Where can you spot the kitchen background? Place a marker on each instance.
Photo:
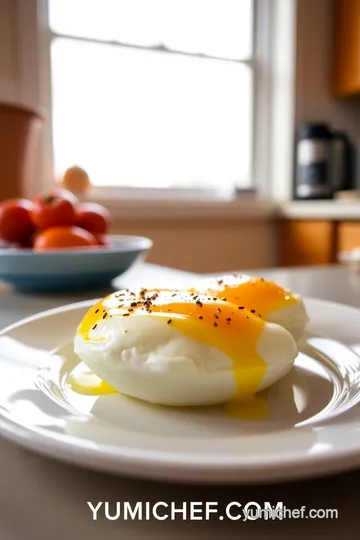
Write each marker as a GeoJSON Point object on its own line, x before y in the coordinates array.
{"type": "Point", "coordinates": [216, 236]}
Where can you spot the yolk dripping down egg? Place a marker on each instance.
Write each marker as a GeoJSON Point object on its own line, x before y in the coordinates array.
{"type": "Point", "coordinates": [182, 349]}
{"type": "Point", "coordinates": [264, 298]}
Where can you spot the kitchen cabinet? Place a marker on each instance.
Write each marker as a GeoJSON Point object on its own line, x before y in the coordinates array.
{"type": "Point", "coordinates": [307, 242]}
{"type": "Point", "coordinates": [348, 236]}
{"type": "Point", "coordinates": [304, 242]}
{"type": "Point", "coordinates": [346, 52]}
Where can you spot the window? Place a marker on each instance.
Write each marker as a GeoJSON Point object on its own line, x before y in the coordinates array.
{"type": "Point", "coordinates": [154, 93]}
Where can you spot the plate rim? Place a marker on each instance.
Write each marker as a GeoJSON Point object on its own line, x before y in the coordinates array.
{"type": "Point", "coordinates": [176, 466]}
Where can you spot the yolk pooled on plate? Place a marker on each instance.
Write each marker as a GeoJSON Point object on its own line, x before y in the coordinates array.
{"type": "Point", "coordinates": [83, 381]}
{"type": "Point", "coordinates": [257, 294]}
{"type": "Point", "coordinates": [254, 408]}
{"type": "Point", "coordinates": [210, 320]}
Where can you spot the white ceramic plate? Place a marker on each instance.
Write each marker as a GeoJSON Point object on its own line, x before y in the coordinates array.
{"type": "Point", "coordinates": [313, 426]}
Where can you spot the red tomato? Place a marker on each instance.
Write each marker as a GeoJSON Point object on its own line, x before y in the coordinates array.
{"type": "Point", "coordinates": [63, 238]}
{"type": "Point", "coordinates": [65, 194]}
{"type": "Point", "coordinates": [26, 244]}
{"type": "Point", "coordinates": [101, 239]}
{"type": "Point", "coordinates": [92, 217]}
{"type": "Point", "coordinates": [15, 223]}
{"type": "Point", "coordinates": [53, 210]}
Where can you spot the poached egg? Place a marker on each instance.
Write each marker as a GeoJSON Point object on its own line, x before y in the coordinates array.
{"type": "Point", "coordinates": [263, 298]}
{"type": "Point", "coordinates": [182, 348]}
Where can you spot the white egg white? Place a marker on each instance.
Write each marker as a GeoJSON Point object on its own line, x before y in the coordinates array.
{"type": "Point", "coordinates": [292, 317]}
{"type": "Point", "coordinates": [145, 358]}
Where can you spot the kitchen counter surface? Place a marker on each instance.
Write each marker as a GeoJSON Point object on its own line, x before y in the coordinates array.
{"type": "Point", "coordinates": [321, 210]}
{"type": "Point", "coordinates": [41, 499]}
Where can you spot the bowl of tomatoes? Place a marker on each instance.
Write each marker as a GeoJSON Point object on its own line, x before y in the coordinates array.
{"type": "Point", "coordinates": [56, 243]}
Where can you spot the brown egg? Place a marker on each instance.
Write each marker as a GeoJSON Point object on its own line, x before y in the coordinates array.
{"type": "Point", "coordinates": [76, 179]}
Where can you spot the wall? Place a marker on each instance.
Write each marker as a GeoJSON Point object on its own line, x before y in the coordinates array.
{"type": "Point", "coordinates": [314, 54]}
{"type": "Point", "coordinates": [206, 245]}
{"type": "Point", "coordinates": [9, 88]}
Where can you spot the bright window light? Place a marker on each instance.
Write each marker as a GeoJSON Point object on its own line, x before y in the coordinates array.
{"type": "Point", "coordinates": [134, 116]}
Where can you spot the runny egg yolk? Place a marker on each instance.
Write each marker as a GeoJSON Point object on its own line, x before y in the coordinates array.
{"type": "Point", "coordinates": [256, 294]}
{"type": "Point", "coordinates": [212, 321]}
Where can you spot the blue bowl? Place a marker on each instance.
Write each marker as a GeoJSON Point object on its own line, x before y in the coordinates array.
{"type": "Point", "coordinates": [70, 269]}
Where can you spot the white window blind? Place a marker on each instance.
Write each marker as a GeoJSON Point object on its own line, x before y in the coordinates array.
{"type": "Point", "coordinates": [153, 93]}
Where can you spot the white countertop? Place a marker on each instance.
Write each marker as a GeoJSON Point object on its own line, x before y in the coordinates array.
{"type": "Point", "coordinates": [332, 209]}
{"type": "Point", "coordinates": [41, 499]}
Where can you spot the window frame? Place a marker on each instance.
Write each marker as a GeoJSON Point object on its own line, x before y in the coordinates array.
{"type": "Point", "coordinates": [269, 56]}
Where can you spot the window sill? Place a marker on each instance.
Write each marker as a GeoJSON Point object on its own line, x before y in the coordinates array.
{"type": "Point", "coordinates": [241, 208]}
